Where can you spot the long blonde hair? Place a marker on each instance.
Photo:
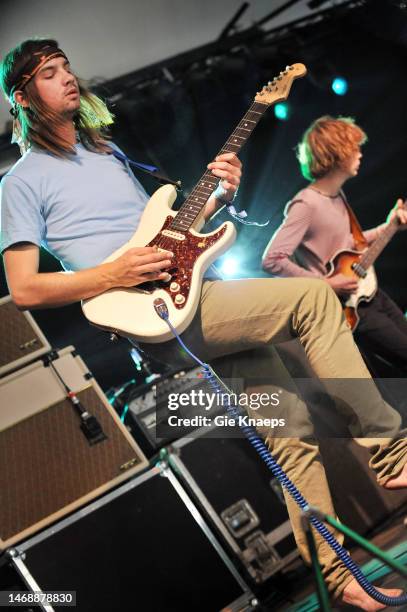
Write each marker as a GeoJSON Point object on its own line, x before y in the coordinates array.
{"type": "Point", "coordinates": [39, 124]}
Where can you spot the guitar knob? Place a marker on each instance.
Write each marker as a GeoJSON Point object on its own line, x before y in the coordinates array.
{"type": "Point", "coordinates": [179, 299]}
{"type": "Point", "coordinates": [174, 287]}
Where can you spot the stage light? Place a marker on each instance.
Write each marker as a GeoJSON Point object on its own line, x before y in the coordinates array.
{"type": "Point", "coordinates": [229, 266]}
{"type": "Point", "coordinates": [281, 111]}
{"type": "Point", "coordinates": [339, 86]}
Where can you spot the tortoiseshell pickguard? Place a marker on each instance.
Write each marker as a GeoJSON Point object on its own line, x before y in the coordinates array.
{"type": "Point", "coordinates": [186, 252]}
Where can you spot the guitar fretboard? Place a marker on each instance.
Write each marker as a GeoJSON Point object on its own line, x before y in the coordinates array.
{"type": "Point", "coordinates": [378, 245]}
{"type": "Point", "coordinates": [198, 197]}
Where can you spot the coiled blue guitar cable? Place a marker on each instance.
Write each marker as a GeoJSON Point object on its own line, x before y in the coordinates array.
{"type": "Point", "coordinates": [262, 450]}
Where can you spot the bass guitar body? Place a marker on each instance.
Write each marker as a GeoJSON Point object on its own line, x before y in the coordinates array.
{"type": "Point", "coordinates": [348, 263]}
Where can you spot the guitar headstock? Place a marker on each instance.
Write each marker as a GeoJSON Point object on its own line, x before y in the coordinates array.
{"type": "Point", "coordinates": [278, 89]}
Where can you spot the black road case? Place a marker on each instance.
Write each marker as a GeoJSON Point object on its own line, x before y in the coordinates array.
{"type": "Point", "coordinates": [143, 547]}
{"type": "Point", "coordinates": [241, 498]}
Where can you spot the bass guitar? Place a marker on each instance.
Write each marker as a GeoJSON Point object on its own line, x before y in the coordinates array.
{"type": "Point", "coordinates": [359, 265]}
{"type": "Point", "coordinates": [131, 312]}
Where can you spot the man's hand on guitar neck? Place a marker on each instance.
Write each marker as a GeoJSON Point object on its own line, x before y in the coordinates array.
{"type": "Point", "coordinates": [342, 285]}
{"type": "Point", "coordinates": [228, 168]}
{"type": "Point", "coordinates": [400, 211]}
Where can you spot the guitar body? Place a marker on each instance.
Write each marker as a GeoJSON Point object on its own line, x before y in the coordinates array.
{"type": "Point", "coordinates": [343, 262]}
{"type": "Point", "coordinates": [130, 312]}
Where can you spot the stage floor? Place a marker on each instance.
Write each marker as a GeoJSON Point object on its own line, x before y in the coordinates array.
{"type": "Point", "coordinates": [392, 538]}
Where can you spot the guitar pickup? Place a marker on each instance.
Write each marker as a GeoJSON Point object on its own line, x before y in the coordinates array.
{"type": "Point", "coordinates": [360, 271]}
{"type": "Point", "coordinates": [173, 235]}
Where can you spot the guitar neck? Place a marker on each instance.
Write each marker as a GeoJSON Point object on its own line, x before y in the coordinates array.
{"type": "Point", "coordinates": [379, 244]}
{"type": "Point", "coordinates": [199, 195]}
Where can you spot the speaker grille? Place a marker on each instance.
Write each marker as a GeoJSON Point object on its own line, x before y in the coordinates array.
{"type": "Point", "coordinates": [17, 337]}
{"type": "Point", "coordinates": [47, 462]}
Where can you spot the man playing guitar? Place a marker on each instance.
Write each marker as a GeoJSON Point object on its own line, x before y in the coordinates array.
{"type": "Point", "coordinates": [318, 224]}
{"type": "Point", "coordinates": [70, 195]}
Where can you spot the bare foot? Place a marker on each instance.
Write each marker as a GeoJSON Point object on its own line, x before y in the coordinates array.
{"type": "Point", "coordinates": [354, 595]}
{"type": "Point", "coordinates": [398, 482]}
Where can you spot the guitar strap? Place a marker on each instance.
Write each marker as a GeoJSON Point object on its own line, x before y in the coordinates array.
{"type": "Point", "coordinates": [151, 170]}
{"type": "Point", "coordinates": [163, 180]}
{"type": "Point", "coordinates": [356, 230]}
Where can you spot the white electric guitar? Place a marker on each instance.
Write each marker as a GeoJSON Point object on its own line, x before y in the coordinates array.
{"type": "Point", "coordinates": [132, 312]}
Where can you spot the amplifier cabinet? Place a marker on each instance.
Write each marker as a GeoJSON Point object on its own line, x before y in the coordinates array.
{"type": "Point", "coordinates": [21, 340]}
{"type": "Point", "coordinates": [48, 467]}
{"type": "Point", "coordinates": [143, 546]}
{"type": "Point", "coordinates": [240, 497]}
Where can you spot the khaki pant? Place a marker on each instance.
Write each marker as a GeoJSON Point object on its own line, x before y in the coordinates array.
{"type": "Point", "coordinates": [242, 318]}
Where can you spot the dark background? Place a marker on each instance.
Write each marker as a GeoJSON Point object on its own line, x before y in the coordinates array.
{"type": "Point", "coordinates": [180, 117]}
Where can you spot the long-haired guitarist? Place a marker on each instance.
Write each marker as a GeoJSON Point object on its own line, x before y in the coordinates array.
{"type": "Point", "coordinates": [71, 196]}
{"type": "Point", "coordinates": [319, 227]}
